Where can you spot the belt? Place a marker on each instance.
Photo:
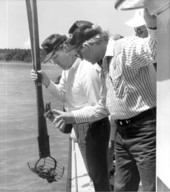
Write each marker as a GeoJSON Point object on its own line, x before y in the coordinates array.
{"type": "Point", "coordinates": [124, 122]}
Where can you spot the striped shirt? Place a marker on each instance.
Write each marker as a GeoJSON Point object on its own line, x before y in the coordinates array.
{"type": "Point", "coordinates": [130, 84]}
{"type": "Point", "coordinates": [131, 80]}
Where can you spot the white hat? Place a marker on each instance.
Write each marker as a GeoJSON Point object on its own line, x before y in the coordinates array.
{"type": "Point", "coordinates": [129, 4]}
{"type": "Point", "coordinates": [137, 20]}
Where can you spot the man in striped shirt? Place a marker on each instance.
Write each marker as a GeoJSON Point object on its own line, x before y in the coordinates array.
{"type": "Point", "coordinates": [130, 96]}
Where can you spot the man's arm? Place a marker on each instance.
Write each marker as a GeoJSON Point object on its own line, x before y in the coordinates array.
{"type": "Point", "coordinates": [96, 97]}
{"type": "Point", "coordinates": [91, 113]}
{"type": "Point", "coordinates": [58, 90]}
{"type": "Point", "coordinates": [92, 86]}
{"type": "Point", "coordinates": [138, 52]}
{"type": "Point", "coordinates": [87, 114]}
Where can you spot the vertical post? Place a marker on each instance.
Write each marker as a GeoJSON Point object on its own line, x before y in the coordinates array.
{"type": "Point", "coordinates": [161, 8]}
{"type": "Point", "coordinates": [43, 138]}
{"type": "Point", "coordinates": [75, 163]}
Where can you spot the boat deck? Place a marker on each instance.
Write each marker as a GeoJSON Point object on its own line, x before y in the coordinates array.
{"type": "Point", "coordinates": [80, 181]}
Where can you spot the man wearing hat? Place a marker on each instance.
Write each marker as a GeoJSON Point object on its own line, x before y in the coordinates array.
{"type": "Point", "coordinates": [138, 23]}
{"type": "Point", "coordinates": [79, 89]}
{"type": "Point", "coordinates": [130, 97]}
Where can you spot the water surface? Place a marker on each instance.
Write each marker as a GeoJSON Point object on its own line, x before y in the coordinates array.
{"type": "Point", "coordinates": [18, 130]}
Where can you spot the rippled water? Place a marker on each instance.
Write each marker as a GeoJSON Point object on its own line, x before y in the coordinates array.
{"type": "Point", "coordinates": [18, 131]}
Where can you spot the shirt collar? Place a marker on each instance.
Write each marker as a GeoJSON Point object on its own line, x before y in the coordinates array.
{"type": "Point", "coordinates": [109, 48]}
{"type": "Point", "coordinates": [76, 63]}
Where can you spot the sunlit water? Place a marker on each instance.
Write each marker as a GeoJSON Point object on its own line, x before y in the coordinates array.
{"type": "Point", "coordinates": [18, 131]}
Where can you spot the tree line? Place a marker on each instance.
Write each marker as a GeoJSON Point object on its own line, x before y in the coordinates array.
{"type": "Point", "coordinates": [23, 55]}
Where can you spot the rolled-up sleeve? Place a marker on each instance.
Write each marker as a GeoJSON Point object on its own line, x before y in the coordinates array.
{"type": "Point", "coordinates": [91, 113]}
{"type": "Point", "coordinates": [138, 52]}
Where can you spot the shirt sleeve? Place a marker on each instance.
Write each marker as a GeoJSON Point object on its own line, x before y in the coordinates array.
{"type": "Point", "coordinates": [58, 90]}
{"type": "Point", "coordinates": [91, 83]}
{"type": "Point", "coordinates": [91, 113]}
{"type": "Point", "coordinates": [92, 86]}
{"type": "Point", "coordinates": [139, 52]}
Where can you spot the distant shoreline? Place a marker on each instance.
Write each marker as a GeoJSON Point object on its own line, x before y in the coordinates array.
{"type": "Point", "coordinates": [23, 63]}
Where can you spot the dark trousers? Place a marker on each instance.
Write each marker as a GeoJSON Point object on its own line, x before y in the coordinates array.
{"type": "Point", "coordinates": [93, 139]}
{"type": "Point", "coordinates": [135, 152]}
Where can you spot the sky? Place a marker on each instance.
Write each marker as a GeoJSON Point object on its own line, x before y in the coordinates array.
{"type": "Point", "coordinates": [56, 16]}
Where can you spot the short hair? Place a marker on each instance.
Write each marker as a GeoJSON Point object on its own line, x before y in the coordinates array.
{"type": "Point", "coordinates": [104, 36]}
